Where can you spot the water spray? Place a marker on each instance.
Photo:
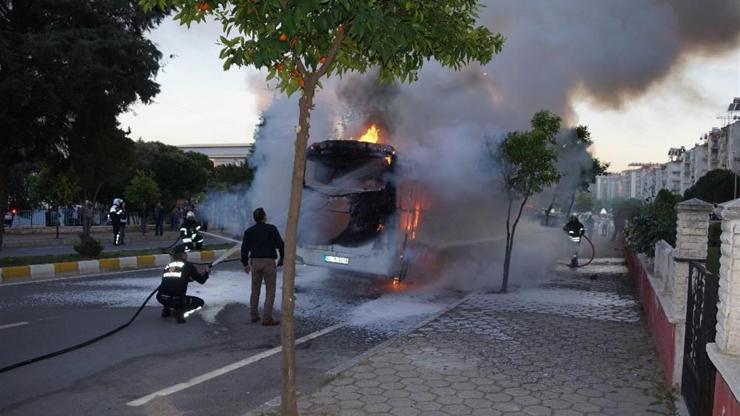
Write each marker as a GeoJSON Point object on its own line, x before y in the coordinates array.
{"type": "Point", "coordinates": [221, 259]}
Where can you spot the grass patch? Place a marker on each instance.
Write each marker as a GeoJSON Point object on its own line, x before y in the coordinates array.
{"type": "Point", "coordinates": [57, 258]}
{"type": "Point", "coordinates": [713, 253]}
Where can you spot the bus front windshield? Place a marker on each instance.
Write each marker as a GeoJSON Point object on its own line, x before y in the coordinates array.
{"type": "Point", "coordinates": [344, 176]}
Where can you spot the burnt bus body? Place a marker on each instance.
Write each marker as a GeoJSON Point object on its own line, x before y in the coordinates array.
{"type": "Point", "coordinates": [350, 206]}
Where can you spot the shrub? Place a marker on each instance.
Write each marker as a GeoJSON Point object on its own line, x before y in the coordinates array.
{"type": "Point", "coordinates": [88, 246]}
{"type": "Point", "coordinates": [655, 221]}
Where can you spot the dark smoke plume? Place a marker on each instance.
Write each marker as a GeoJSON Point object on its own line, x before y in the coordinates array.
{"type": "Point", "coordinates": [556, 52]}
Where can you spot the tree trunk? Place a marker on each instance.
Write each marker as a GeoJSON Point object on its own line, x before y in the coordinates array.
{"type": "Point", "coordinates": [507, 260]}
{"type": "Point", "coordinates": [97, 190]}
{"type": "Point", "coordinates": [507, 253]}
{"type": "Point", "coordinates": [572, 201]}
{"type": "Point", "coordinates": [549, 209]}
{"type": "Point", "coordinates": [143, 218]}
{"type": "Point", "coordinates": [289, 403]}
{"type": "Point", "coordinates": [510, 231]}
{"type": "Point", "coordinates": [58, 220]}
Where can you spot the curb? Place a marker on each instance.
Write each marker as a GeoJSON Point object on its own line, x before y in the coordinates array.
{"type": "Point", "coordinates": [273, 405]}
{"type": "Point", "coordinates": [32, 272]}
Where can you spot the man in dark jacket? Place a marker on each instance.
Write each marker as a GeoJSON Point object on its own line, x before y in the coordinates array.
{"type": "Point", "coordinates": [173, 289]}
{"type": "Point", "coordinates": [260, 246]}
{"type": "Point", "coordinates": [575, 231]}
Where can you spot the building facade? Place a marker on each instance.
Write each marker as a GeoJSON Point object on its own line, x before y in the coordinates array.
{"type": "Point", "coordinates": [222, 154]}
{"type": "Point", "coordinates": [717, 149]}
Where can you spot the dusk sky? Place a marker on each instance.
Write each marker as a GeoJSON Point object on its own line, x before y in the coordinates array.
{"type": "Point", "coordinates": [201, 103]}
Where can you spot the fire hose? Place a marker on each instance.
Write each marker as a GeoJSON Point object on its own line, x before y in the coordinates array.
{"type": "Point", "coordinates": [593, 252]}
{"type": "Point", "coordinates": [221, 259]}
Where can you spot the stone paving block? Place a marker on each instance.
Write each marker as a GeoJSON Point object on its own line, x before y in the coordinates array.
{"type": "Point", "coordinates": [567, 348]}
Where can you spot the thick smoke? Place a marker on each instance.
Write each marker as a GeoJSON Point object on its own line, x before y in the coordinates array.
{"type": "Point", "coordinates": [609, 52]}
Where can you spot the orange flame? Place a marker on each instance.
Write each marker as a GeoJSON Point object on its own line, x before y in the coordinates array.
{"type": "Point", "coordinates": [371, 135]}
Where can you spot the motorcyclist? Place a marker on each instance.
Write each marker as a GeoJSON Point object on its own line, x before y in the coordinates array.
{"type": "Point", "coordinates": [172, 292]}
{"type": "Point", "coordinates": [114, 217]}
{"type": "Point", "coordinates": [575, 231]}
{"type": "Point", "coordinates": [190, 232]}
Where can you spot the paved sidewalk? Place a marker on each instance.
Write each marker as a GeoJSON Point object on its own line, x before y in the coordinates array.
{"type": "Point", "coordinates": [572, 346]}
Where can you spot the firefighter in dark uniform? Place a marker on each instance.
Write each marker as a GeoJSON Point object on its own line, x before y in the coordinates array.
{"type": "Point", "coordinates": [114, 216]}
{"type": "Point", "coordinates": [172, 292]}
{"type": "Point", "coordinates": [190, 232]}
{"type": "Point", "coordinates": [575, 231]}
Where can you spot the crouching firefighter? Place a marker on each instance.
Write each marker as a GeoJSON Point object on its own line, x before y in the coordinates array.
{"type": "Point", "coordinates": [575, 231]}
{"type": "Point", "coordinates": [172, 292]}
{"type": "Point", "coordinates": [190, 232]}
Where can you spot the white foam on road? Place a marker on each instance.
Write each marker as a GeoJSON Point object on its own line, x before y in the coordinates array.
{"type": "Point", "coordinates": [317, 298]}
{"type": "Point", "coordinates": [394, 311]}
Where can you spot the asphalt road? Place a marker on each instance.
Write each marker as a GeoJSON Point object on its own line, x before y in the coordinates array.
{"type": "Point", "coordinates": [154, 354]}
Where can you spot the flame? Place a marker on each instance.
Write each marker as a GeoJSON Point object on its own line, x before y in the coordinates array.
{"type": "Point", "coordinates": [371, 135]}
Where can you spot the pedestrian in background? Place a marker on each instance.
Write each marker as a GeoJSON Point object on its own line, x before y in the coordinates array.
{"type": "Point", "coordinates": [75, 214]}
{"type": "Point", "coordinates": [590, 223]}
{"type": "Point", "coordinates": [174, 219]}
{"type": "Point", "coordinates": [158, 219]}
{"type": "Point", "coordinates": [260, 246]}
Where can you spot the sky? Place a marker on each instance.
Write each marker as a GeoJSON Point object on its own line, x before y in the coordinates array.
{"type": "Point", "coordinates": [200, 103]}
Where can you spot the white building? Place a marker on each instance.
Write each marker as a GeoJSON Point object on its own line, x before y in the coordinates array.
{"type": "Point", "coordinates": [222, 154]}
{"type": "Point", "coordinates": [717, 149]}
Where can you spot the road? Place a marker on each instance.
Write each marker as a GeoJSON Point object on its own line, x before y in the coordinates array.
{"type": "Point", "coordinates": [218, 363]}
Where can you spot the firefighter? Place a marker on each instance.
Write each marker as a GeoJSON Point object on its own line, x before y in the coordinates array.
{"type": "Point", "coordinates": [114, 216]}
{"type": "Point", "coordinates": [190, 232]}
{"type": "Point", "coordinates": [575, 231]}
{"type": "Point", "coordinates": [172, 291]}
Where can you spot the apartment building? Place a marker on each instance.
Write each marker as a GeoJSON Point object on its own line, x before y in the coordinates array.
{"type": "Point", "coordinates": [716, 149]}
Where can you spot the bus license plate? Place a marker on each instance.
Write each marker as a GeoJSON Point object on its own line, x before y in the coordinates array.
{"type": "Point", "coordinates": [336, 260]}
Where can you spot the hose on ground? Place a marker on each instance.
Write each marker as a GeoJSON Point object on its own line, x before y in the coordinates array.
{"type": "Point", "coordinates": [82, 344]}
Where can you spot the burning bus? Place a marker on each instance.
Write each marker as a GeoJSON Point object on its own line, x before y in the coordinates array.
{"type": "Point", "coordinates": [357, 216]}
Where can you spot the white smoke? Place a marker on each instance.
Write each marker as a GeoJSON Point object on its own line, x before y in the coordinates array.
{"type": "Point", "coordinates": [554, 53]}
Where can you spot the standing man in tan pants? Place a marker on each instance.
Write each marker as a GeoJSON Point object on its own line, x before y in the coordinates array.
{"type": "Point", "coordinates": [260, 246]}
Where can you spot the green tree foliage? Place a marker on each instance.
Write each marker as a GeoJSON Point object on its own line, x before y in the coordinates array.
{"type": "Point", "coordinates": [716, 186]}
{"type": "Point", "coordinates": [578, 169]}
{"type": "Point", "coordinates": [584, 202]}
{"type": "Point", "coordinates": [228, 176]}
{"type": "Point", "coordinates": [104, 166]}
{"type": "Point", "coordinates": [143, 190]}
{"type": "Point", "coordinates": [527, 162]}
{"type": "Point", "coordinates": [67, 69]}
{"type": "Point", "coordinates": [143, 193]}
{"type": "Point", "coordinates": [53, 188]}
{"type": "Point", "coordinates": [655, 221]}
{"type": "Point", "coordinates": [300, 42]}
{"type": "Point", "coordinates": [179, 174]}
